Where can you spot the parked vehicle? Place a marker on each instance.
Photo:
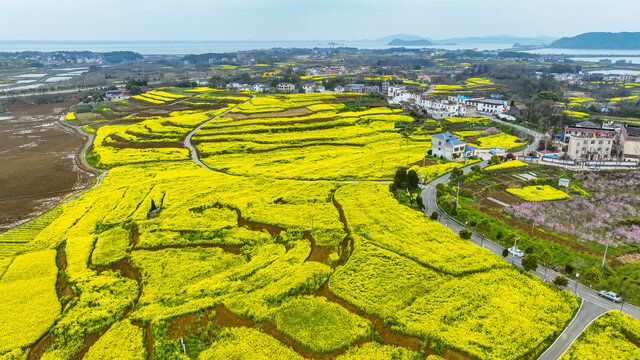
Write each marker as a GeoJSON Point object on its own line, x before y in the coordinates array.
{"type": "Point", "coordinates": [610, 295]}
{"type": "Point", "coordinates": [515, 252]}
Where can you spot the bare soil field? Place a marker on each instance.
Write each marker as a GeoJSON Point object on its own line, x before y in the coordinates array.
{"type": "Point", "coordinates": [37, 161]}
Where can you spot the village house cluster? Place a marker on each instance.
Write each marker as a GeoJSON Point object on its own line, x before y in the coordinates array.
{"type": "Point", "coordinates": [454, 105]}
{"type": "Point", "coordinates": [590, 142]}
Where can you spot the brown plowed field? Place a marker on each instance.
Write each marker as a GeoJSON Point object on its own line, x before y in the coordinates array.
{"type": "Point", "coordinates": [37, 161]}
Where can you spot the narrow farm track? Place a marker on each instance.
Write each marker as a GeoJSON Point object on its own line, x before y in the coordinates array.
{"type": "Point", "coordinates": [187, 140]}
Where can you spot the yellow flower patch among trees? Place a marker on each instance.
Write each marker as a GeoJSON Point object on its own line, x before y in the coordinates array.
{"type": "Point", "coordinates": [472, 120]}
{"type": "Point", "coordinates": [507, 165]}
{"type": "Point", "coordinates": [498, 141]}
{"type": "Point", "coordinates": [538, 193]}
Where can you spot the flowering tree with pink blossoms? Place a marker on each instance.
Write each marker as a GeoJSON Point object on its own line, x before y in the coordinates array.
{"type": "Point", "coordinates": [614, 209]}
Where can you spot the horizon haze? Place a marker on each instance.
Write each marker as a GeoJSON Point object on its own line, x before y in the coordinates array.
{"type": "Point", "coordinates": [288, 20]}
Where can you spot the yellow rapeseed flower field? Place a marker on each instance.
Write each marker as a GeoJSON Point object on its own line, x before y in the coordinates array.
{"type": "Point", "coordinates": [292, 227]}
{"type": "Point", "coordinates": [507, 165]}
{"type": "Point", "coordinates": [539, 193]}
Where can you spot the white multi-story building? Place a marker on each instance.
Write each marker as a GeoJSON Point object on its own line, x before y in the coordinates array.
{"type": "Point", "coordinates": [258, 88]}
{"type": "Point", "coordinates": [286, 87]}
{"type": "Point", "coordinates": [385, 87]}
{"type": "Point", "coordinates": [630, 143]}
{"type": "Point", "coordinates": [311, 88]}
{"type": "Point", "coordinates": [488, 106]}
{"type": "Point", "coordinates": [589, 144]}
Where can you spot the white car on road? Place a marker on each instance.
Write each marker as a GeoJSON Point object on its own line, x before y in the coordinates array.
{"type": "Point", "coordinates": [610, 295]}
{"type": "Point", "coordinates": [515, 252]}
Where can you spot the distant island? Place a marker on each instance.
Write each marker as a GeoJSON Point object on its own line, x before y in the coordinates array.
{"type": "Point", "coordinates": [600, 40]}
{"type": "Point", "coordinates": [401, 42]}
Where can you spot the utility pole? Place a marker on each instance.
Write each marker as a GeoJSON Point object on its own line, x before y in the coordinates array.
{"type": "Point", "coordinates": [604, 257]}
{"type": "Point", "coordinates": [457, 194]}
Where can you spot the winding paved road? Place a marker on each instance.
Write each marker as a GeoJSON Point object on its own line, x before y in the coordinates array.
{"type": "Point", "coordinates": [187, 140]}
{"type": "Point", "coordinates": [534, 134]}
{"type": "Point", "coordinates": [593, 305]}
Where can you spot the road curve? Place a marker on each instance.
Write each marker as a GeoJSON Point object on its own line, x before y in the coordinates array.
{"type": "Point", "coordinates": [187, 140]}
{"type": "Point", "coordinates": [593, 305]}
{"type": "Point", "coordinates": [587, 314]}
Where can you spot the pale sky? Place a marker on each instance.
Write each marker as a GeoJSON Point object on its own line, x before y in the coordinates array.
{"type": "Point", "coordinates": [308, 19]}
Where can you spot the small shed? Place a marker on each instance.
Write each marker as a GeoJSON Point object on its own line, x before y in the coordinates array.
{"type": "Point", "coordinates": [563, 182]}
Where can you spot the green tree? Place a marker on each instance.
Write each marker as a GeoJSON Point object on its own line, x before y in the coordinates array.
{"type": "Point", "coordinates": [476, 168]}
{"type": "Point", "coordinates": [484, 227]}
{"type": "Point", "coordinates": [412, 179]}
{"type": "Point", "coordinates": [546, 95]}
{"type": "Point", "coordinates": [465, 234]}
{"type": "Point", "coordinates": [495, 159]}
{"type": "Point", "coordinates": [561, 281]}
{"type": "Point", "coordinates": [463, 215]}
{"type": "Point", "coordinates": [434, 216]}
{"type": "Point", "coordinates": [400, 179]}
{"type": "Point", "coordinates": [505, 252]}
{"type": "Point", "coordinates": [510, 240]}
{"type": "Point", "coordinates": [530, 263]}
{"type": "Point", "coordinates": [456, 175]}
{"type": "Point", "coordinates": [546, 257]}
{"type": "Point", "coordinates": [420, 203]}
{"type": "Point", "coordinates": [445, 204]}
{"type": "Point", "coordinates": [217, 82]}
{"type": "Point", "coordinates": [135, 89]}
{"type": "Point", "coordinates": [592, 276]}
{"type": "Point", "coordinates": [568, 268]}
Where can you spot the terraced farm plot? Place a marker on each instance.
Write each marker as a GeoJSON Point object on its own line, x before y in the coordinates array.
{"type": "Point", "coordinates": [15, 240]}
{"type": "Point", "coordinates": [289, 248]}
{"type": "Point", "coordinates": [122, 341]}
{"type": "Point", "coordinates": [249, 344]}
{"type": "Point", "coordinates": [310, 147]}
{"type": "Point", "coordinates": [500, 141]}
{"type": "Point", "coordinates": [28, 299]}
{"type": "Point", "coordinates": [539, 193]}
{"type": "Point", "coordinates": [319, 324]}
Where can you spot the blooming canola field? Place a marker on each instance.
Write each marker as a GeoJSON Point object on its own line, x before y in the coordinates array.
{"type": "Point", "coordinates": [289, 246]}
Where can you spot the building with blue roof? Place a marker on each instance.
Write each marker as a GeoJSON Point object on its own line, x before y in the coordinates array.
{"type": "Point", "coordinates": [448, 146]}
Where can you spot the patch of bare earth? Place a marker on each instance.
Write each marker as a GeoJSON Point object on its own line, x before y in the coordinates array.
{"type": "Point", "coordinates": [38, 157]}
{"type": "Point", "coordinates": [626, 259]}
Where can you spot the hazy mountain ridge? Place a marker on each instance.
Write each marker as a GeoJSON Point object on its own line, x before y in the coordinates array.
{"type": "Point", "coordinates": [403, 39]}
{"type": "Point", "coordinates": [600, 40]}
{"type": "Point", "coordinates": [419, 42]}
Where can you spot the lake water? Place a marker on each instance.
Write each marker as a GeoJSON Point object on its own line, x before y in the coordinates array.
{"type": "Point", "coordinates": [201, 47]}
{"type": "Point", "coordinates": [615, 72]}
{"type": "Point", "coordinates": [594, 52]}
{"type": "Point", "coordinates": [591, 55]}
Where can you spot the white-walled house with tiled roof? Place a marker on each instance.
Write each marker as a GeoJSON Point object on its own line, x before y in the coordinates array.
{"type": "Point", "coordinates": [447, 146]}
